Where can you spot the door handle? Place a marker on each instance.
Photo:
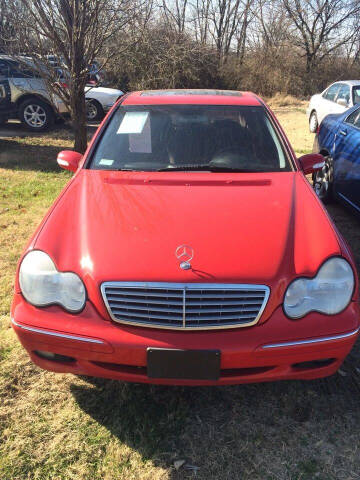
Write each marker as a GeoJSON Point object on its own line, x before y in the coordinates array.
{"type": "Point", "coordinates": [343, 133]}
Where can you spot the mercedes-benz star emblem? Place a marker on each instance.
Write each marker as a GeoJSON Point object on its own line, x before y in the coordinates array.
{"type": "Point", "coordinates": [185, 254]}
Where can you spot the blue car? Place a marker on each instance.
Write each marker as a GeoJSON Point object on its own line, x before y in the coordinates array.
{"type": "Point", "coordinates": [338, 140]}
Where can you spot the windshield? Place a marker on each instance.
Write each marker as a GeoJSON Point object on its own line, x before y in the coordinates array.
{"type": "Point", "coordinates": [190, 137]}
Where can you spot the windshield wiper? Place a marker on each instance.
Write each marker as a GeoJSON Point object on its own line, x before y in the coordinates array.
{"type": "Point", "coordinates": [203, 168]}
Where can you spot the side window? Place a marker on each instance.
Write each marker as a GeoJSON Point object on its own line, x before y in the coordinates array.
{"type": "Point", "coordinates": [356, 95]}
{"type": "Point", "coordinates": [357, 121]}
{"type": "Point", "coordinates": [344, 93]}
{"type": "Point", "coordinates": [18, 70]}
{"type": "Point", "coordinates": [331, 92]}
{"type": "Point", "coordinates": [4, 69]}
{"type": "Point", "coordinates": [354, 118]}
{"type": "Point", "coordinates": [13, 70]}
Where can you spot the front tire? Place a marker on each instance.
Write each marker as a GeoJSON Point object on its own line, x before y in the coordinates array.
{"type": "Point", "coordinates": [36, 115]}
{"type": "Point", "coordinates": [94, 111]}
{"type": "Point", "coordinates": [323, 181]}
{"type": "Point", "coordinates": [313, 122]}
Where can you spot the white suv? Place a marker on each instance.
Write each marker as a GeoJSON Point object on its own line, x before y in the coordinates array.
{"type": "Point", "coordinates": [337, 98]}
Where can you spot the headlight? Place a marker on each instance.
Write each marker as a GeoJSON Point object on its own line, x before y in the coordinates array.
{"type": "Point", "coordinates": [328, 292]}
{"type": "Point", "coordinates": [41, 284]}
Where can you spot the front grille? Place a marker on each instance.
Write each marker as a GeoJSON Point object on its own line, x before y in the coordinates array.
{"type": "Point", "coordinates": [185, 306]}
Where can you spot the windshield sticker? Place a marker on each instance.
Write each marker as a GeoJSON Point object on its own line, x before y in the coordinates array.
{"type": "Point", "coordinates": [133, 122]}
{"type": "Point", "coordinates": [106, 161]}
{"type": "Point", "coordinates": [141, 143]}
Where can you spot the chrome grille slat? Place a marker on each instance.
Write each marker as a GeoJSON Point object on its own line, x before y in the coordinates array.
{"type": "Point", "coordinates": [149, 294]}
{"type": "Point", "coordinates": [152, 308]}
{"type": "Point", "coordinates": [144, 315]}
{"type": "Point", "coordinates": [141, 300]}
{"type": "Point", "coordinates": [185, 306]}
{"type": "Point", "coordinates": [218, 318]}
{"type": "Point", "coordinates": [190, 303]}
{"type": "Point", "coordinates": [223, 309]}
{"type": "Point", "coordinates": [223, 295]}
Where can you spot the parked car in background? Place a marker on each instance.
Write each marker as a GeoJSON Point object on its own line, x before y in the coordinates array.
{"type": "Point", "coordinates": [24, 95]}
{"type": "Point", "coordinates": [338, 141]}
{"type": "Point", "coordinates": [54, 60]}
{"type": "Point", "coordinates": [189, 249]}
{"type": "Point", "coordinates": [99, 100]}
{"type": "Point", "coordinates": [337, 98]}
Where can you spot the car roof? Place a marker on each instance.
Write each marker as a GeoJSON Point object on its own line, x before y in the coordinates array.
{"type": "Point", "coordinates": [349, 82]}
{"type": "Point", "coordinates": [15, 58]}
{"type": "Point", "coordinates": [192, 97]}
{"type": "Point", "coordinates": [5, 57]}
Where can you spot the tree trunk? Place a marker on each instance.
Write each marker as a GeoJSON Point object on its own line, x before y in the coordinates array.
{"type": "Point", "coordinates": [309, 74]}
{"type": "Point", "coordinates": [78, 116]}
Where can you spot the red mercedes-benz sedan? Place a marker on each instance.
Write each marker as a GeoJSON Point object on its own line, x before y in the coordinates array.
{"type": "Point", "coordinates": [188, 249]}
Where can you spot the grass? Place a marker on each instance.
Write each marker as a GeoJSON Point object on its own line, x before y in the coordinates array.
{"type": "Point", "coordinates": [55, 426]}
{"type": "Point", "coordinates": [296, 126]}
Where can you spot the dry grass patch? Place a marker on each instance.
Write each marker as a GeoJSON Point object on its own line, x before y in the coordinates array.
{"type": "Point", "coordinates": [284, 100]}
{"type": "Point", "coordinates": [291, 113]}
{"type": "Point", "coordinates": [296, 126]}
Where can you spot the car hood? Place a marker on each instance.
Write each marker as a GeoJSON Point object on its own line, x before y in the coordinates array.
{"type": "Point", "coordinates": [243, 228]}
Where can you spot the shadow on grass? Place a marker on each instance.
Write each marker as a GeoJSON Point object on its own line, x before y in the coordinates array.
{"type": "Point", "coordinates": [16, 129]}
{"type": "Point", "coordinates": [25, 157]}
{"type": "Point", "coordinates": [36, 152]}
{"type": "Point", "coordinates": [210, 426]}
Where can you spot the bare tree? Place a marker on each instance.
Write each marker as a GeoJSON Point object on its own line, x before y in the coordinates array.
{"type": "Point", "coordinates": [245, 18]}
{"type": "Point", "coordinates": [320, 27]}
{"type": "Point", "coordinates": [6, 25]}
{"type": "Point", "coordinates": [175, 12]}
{"type": "Point", "coordinates": [224, 18]}
{"type": "Point", "coordinates": [228, 22]}
{"type": "Point", "coordinates": [201, 18]}
{"type": "Point", "coordinates": [76, 32]}
{"type": "Point", "coordinates": [272, 25]}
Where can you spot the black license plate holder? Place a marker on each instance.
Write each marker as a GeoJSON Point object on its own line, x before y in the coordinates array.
{"type": "Point", "coordinates": [183, 364]}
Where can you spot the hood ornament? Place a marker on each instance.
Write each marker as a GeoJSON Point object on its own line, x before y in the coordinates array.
{"type": "Point", "coordinates": [184, 254]}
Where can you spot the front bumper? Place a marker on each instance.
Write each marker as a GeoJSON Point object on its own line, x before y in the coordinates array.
{"type": "Point", "coordinates": [276, 350]}
{"type": "Point", "coordinates": [60, 106]}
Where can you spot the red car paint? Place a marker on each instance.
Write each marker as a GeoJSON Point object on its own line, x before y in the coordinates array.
{"type": "Point", "coordinates": [249, 228]}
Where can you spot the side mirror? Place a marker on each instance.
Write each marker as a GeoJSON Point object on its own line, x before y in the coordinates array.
{"type": "Point", "coordinates": [342, 102]}
{"type": "Point", "coordinates": [311, 163]}
{"type": "Point", "coordinates": [69, 160]}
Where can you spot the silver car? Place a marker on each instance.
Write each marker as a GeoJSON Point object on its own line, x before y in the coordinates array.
{"type": "Point", "coordinates": [24, 95]}
{"type": "Point", "coordinates": [337, 98]}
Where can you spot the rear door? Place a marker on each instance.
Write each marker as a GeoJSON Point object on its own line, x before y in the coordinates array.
{"type": "Point", "coordinates": [5, 92]}
{"type": "Point", "coordinates": [23, 77]}
{"type": "Point", "coordinates": [346, 157]}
